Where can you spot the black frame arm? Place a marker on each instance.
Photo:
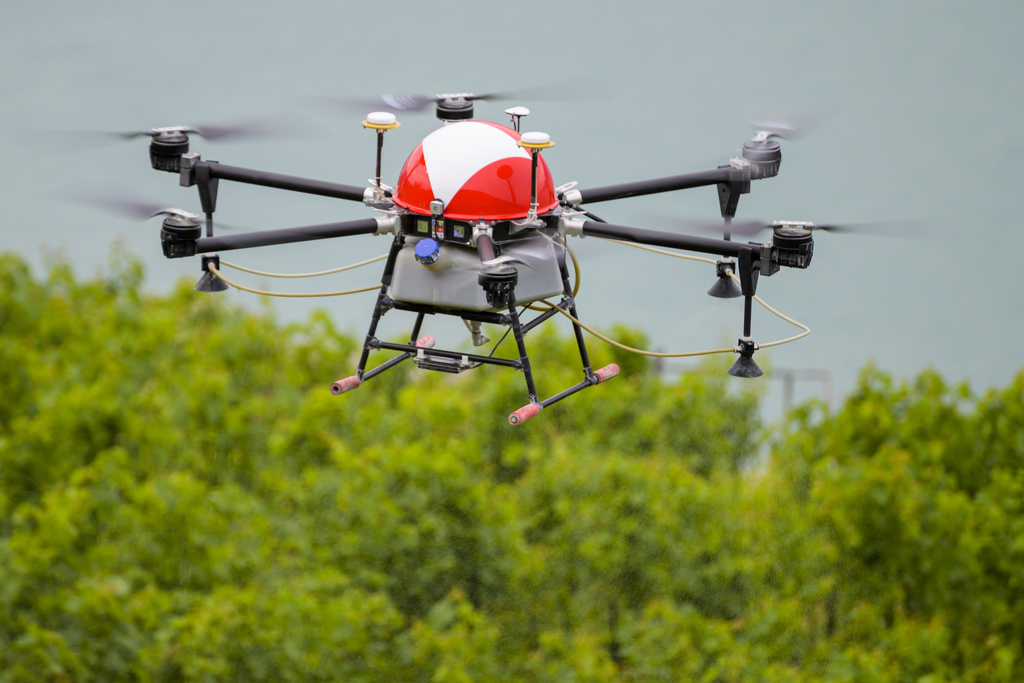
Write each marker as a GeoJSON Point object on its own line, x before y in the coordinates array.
{"type": "Point", "coordinates": [704, 245]}
{"type": "Point", "coordinates": [216, 170]}
{"type": "Point", "coordinates": [180, 238]}
{"type": "Point", "coordinates": [792, 247]}
{"type": "Point", "coordinates": [653, 186]}
{"type": "Point", "coordinates": [265, 238]}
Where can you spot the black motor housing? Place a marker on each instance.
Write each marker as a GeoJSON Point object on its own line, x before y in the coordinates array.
{"type": "Point", "coordinates": [178, 236]}
{"type": "Point", "coordinates": [165, 152]}
{"type": "Point", "coordinates": [793, 246]}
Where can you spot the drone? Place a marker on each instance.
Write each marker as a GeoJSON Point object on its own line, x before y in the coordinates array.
{"type": "Point", "coordinates": [479, 232]}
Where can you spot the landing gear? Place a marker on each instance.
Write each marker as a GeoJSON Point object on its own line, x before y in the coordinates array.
{"type": "Point", "coordinates": [499, 286]}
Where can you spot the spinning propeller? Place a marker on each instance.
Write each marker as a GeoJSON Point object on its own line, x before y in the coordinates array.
{"type": "Point", "coordinates": [262, 128]}
{"type": "Point", "coordinates": [782, 129]}
{"type": "Point", "coordinates": [135, 208]}
{"type": "Point", "coordinates": [455, 106]}
{"type": "Point", "coordinates": [241, 130]}
{"type": "Point", "coordinates": [178, 222]}
{"type": "Point", "coordinates": [785, 122]}
{"type": "Point", "coordinates": [749, 228]}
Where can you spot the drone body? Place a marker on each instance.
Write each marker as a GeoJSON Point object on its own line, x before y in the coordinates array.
{"type": "Point", "coordinates": [462, 178]}
{"type": "Point", "coordinates": [479, 232]}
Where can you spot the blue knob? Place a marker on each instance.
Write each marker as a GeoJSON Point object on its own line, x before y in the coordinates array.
{"type": "Point", "coordinates": [427, 251]}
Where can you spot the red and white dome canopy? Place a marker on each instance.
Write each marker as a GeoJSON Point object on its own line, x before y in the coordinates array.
{"type": "Point", "coordinates": [477, 170]}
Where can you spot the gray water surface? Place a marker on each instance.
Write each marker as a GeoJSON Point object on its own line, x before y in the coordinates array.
{"type": "Point", "coordinates": [917, 108]}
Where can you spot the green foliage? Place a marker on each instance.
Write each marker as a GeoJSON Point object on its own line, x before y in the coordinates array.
{"type": "Point", "coordinates": [917, 492]}
{"type": "Point", "coordinates": [182, 499]}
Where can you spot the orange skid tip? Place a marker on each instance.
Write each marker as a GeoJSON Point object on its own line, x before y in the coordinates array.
{"type": "Point", "coordinates": [523, 414]}
{"type": "Point", "coordinates": [607, 372]}
{"type": "Point", "coordinates": [346, 384]}
{"type": "Point", "coordinates": [425, 343]}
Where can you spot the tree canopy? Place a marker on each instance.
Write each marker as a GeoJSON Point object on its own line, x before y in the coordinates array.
{"type": "Point", "coordinates": [181, 499]}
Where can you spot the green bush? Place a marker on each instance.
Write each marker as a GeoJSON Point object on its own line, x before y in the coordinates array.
{"type": "Point", "coordinates": [182, 499]}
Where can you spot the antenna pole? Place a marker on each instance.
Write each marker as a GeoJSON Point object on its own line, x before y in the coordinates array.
{"type": "Point", "coordinates": [381, 121]}
{"type": "Point", "coordinates": [534, 142]}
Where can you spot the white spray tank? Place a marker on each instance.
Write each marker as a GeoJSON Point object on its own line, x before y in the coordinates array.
{"type": "Point", "coordinates": [446, 275]}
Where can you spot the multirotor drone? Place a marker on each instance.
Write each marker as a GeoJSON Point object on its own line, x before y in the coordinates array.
{"type": "Point", "coordinates": [479, 232]}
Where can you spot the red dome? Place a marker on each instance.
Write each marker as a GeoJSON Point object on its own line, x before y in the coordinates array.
{"type": "Point", "coordinates": [477, 170]}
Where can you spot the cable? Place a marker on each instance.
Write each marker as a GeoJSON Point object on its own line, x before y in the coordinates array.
{"type": "Point", "coordinates": [576, 207]}
{"type": "Point", "coordinates": [806, 330]}
{"type": "Point", "coordinates": [780, 342]}
{"type": "Point", "coordinates": [322, 272]}
{"type": "Point", "coordinates": [575, 268]}
{"type": "Point", "coordinates": [213, 269]}
{"type": "Point", "coordinates": [791, 321]}
{"type": "Point", "coordinates": [656, 354]}
{"type": "Point", "coordinates": [503, 337]}
{"type": "Point", "coordinates": [665, 252]}
{"type": "Point", "coordinates": [535, 307]}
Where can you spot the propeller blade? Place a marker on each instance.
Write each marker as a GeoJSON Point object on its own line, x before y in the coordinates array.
{"type": "Point", "coordinates": [361, 105]}
{"type": "Point", "coordinates": [502, 260]}
{"type": "Point", "coordinates": [133, 208]}
{"type": "Point", "coordinates": [401, 102]}
{"type": "Point", "coordinates": [251, 129]}
{"type": "Point", "coordinates": [844, 227]}
{"type": "Point", "coordinates": [420, 102]}
{"type": "Point", "coordinates": [745, 228]}
{"type": "Point", "coordinates": [143, 210]}
{"type": "Point", "coordinates": [749, 228]}
{"type": "Point", "coordinates": [878, 229]}
{"type": "Point", "coordinates": [128, 207]}
{"type": "Point", "coordinates": [139, 210]}
{"type": "Point", "coordinates": [787, 130]}
{"type": "Point", "coordinates": [708, 226]}
{"type": "Point", "coordinates": [267, 127]}
{"type": "Point", "coordinates": [552, 91]}
{"type": "Point", "coordinates": [786, 122]}
{"type": "Point", "coordinates": [276, 126]}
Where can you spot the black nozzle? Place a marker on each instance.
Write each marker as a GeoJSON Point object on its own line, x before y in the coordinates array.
{"type": "Point", "coordinates": [498, 284]}
{"type": "Point", "coordinates": [208, 282]}
{"type": "Point", "coordinates": [725, 287]}
{"type": "Point", "coordinates": [745, 366]}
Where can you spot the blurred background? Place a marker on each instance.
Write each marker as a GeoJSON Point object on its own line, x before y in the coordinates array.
{"type": "Point", "coordinates": [914, 108]}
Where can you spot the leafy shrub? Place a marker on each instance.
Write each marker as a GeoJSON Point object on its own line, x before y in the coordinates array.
{"type": "Point", "coordinates": [182, 499]}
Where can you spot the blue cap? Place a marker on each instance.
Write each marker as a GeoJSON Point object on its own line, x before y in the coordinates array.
{"type": "Point", "coordinates": [427, 251]}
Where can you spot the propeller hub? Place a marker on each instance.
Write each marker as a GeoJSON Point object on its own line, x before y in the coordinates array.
{"type": "Point", "coordinates": [168, 132]}
{"type": "Point", "coordinates": [454, 107]}
{"type": "Point", "coordinates": [179, 217]}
